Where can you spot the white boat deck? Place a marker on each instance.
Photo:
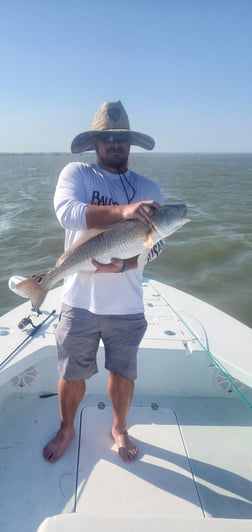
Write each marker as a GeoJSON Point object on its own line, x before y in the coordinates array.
{"type": "Point", "coordinates": [194, 432]}
{"type": "Point", "coordinates": [160, 480]}
{"type": "Point", "coordinates": [195, 462]}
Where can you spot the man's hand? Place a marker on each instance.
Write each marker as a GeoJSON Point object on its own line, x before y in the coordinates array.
{"type": "Point", "coordinates": [114, 266]}
{"type": "Point", "coordinates": [99, 216]}
{"type": "Point", "coordinates": [141, 210]}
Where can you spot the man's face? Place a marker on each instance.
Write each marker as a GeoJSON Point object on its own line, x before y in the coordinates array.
{"type": "Point", "coordinates": [112, 151]}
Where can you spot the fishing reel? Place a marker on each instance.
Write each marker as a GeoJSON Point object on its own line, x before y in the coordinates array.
{"type": "Point", "coordinates": [27, 321]}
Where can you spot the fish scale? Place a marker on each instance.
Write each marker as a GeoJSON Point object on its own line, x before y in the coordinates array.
{"type": "Point", "coordinates": [124, 240]}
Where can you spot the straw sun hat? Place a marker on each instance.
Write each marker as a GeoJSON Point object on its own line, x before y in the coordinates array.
{"type": "Point", "coordinates": [111, 117]}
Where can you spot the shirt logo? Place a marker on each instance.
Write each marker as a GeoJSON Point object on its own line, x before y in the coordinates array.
{"type": "Point", "coordinates": [100, 199]}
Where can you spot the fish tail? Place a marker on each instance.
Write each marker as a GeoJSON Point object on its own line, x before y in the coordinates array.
{"type": "Point", "coordinates": [34, 289]}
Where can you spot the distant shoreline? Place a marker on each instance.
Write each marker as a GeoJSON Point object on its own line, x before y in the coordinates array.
{"type": "Point", "coordinates": [132, 153]}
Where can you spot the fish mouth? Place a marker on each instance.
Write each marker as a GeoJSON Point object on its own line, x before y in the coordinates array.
{"type": "Point", "coordinates": [182, 222]}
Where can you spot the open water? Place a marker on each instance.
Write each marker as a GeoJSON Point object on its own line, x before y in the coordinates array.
{"type": "Point", "coordinates": [211, 257]}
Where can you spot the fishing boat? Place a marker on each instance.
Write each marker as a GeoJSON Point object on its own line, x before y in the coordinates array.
{"type": "Point", "coordinates": [190, 416]}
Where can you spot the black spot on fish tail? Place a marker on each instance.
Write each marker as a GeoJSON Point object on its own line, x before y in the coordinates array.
{"type": "Point", "coordinates": [34, 289]}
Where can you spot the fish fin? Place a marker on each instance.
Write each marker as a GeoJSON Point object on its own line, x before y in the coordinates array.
{"type": "Point", "coordinates": [149, 242]}
{"type": "Point", "coordinates": [85, 237]}
{"type": "Point", "coordinates": [91, 233]}
{"type": "Point", "coordinates": [34, 290]}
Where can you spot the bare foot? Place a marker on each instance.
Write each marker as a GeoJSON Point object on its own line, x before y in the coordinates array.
{"type": "Point", "coordinates": [127, 449]}
{"type": "Point", "coordinates": [56, 447]}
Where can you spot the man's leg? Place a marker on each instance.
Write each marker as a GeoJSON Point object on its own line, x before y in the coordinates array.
{"type": "Point", "coordinates": [77, 338]}
{"type": "Point", "coordinates": [120, 392]}
{"type": "Point", "coordinates": [70, 393]}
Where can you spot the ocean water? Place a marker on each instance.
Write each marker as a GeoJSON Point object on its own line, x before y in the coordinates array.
{"type": "Point", "coordinates": [210, 257]}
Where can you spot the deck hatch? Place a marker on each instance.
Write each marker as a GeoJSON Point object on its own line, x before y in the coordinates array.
{"type": "Point", "coordinates": [158, 483]}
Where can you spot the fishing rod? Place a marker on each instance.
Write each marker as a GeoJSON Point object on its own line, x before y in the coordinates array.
{"type": "Point", "coordinates": [34, 330]}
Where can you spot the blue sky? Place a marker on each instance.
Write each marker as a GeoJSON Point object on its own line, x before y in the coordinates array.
{"type": "Point", "coordinates": [182, 69]}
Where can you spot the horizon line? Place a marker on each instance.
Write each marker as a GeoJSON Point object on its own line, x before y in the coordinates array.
{"type": "Point", "coordinates": [131, 153]}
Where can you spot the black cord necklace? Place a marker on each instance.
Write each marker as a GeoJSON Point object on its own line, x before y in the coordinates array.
{"type": "Point", "coordinates": [125, 188]}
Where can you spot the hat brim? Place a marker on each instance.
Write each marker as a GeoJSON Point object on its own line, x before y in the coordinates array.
{"type": "Point", "coordinates": [83, 141]}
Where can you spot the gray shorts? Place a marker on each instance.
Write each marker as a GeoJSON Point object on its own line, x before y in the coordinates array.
{"type": "Point", "coordinates": [78, 335]}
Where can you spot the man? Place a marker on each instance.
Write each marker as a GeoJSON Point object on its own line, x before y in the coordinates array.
{"type": "Point", "coordinates": [109, 306]}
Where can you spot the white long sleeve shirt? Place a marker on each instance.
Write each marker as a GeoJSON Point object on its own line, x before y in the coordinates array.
{"type": "Point", "coordinates": [78, 186]}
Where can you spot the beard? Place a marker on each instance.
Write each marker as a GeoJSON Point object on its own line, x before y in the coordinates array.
{"type": "Point", "coordinates": [116, 158]}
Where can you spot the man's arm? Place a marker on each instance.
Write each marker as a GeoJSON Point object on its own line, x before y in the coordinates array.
{"type": "Point", "coordinates": [116, 265]}
{"type": "Point", "coordinates": [105, 215]}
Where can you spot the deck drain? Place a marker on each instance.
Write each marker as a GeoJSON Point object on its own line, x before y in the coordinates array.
{"type": "Point", "coordinates": [5, 331]}
{"type": "Point", "coordinates": [223, 384]}
{"type": "Point", "coordinates": [25, 378]}
{"type": "Point", "coordinates": [101, 405]}
{"type": "Point", "coordinates": [154, 406]}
